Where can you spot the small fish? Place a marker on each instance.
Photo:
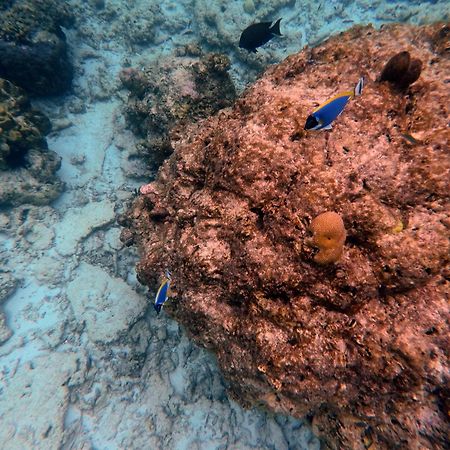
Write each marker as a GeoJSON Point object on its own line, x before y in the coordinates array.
{"type": "Point", "coordinates": [163, 292]}
{"type": "Point", "coordinates": [259, 34]}
{"type": "Point", "coordinates": [410, 138]}
{"type": "Point", "coordinates": [323, 116]}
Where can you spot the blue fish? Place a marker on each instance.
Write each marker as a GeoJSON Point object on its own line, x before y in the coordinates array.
{"type": "Point", "coordinates": [163, 292]}
{"type": "Point", "coordinates": [322, 117]}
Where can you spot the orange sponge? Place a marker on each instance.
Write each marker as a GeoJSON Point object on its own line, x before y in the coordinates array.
{"type": "Point", "coordinates": [329, 236]}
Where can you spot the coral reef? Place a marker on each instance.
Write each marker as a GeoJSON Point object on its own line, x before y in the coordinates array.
{"type": "Point", "coordinates": [360, 346]}
{"type": "Point", "coordinates": [33, 49]}
{"type": "Point", "coordinates": [27, 167]}
{"type": "Point", "coordinates": [172, 94]}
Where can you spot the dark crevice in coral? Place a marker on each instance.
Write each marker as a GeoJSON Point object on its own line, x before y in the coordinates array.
{"type": "Point", "coordinates": [16, 159]}
{"type": "Point", "coordinates": [260, 217]}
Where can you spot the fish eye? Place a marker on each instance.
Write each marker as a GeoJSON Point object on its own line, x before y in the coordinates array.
{"type": "Point", "coordinates": [311, 122]}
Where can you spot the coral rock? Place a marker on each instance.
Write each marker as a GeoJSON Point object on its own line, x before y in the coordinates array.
{"type": "Point", "coordinates": [33, 49]}
{"type": "Point", "coordinates": [362, 346]}
{"type": "Point", "coordinates": [164, 99]}
{"type": "Point", "coordinates": [27, 167]}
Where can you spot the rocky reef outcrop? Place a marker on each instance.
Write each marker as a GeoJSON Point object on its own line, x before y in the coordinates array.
{"type": "Point", "coordinates": [27, 167]}
{"type": "Point", "coordinates": [33, 48]}
{"type": "Point", "coordinates": [360, 345]}
{"type": "Point", "coordinates": [166, 97]}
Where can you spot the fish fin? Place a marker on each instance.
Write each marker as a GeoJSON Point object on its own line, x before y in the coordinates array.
{"type": "Point", "coordinates": [355, 93]}
{"type": "Point", "coordinates": [328, 127]}
{"type": "Point", "coordinates": [157, 308]}
{"type": "Point", "coordinates": [332, 99]}
{"type": "Point", "coordinates": [275, 28]}
{"type": "Point", "coordinates": [359, 87]}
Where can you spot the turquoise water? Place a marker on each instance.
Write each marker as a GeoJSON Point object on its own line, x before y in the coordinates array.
{"type": "Point", "coordinates": [87, 364]}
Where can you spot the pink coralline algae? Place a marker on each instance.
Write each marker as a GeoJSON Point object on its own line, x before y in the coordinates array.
{"type": "Point", "coordinates": [360, 346]}
{"type": "Point", "coordinates": [146, 189]}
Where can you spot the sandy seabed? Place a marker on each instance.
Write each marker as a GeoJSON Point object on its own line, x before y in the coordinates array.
{"type": "Point", "coordinates": [84, 361]}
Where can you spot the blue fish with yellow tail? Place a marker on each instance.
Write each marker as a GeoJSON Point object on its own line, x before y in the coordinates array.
{"type": "Point", "coordinates": [163, 292]}
{"type": "Point", "coordinates": [322, 117]}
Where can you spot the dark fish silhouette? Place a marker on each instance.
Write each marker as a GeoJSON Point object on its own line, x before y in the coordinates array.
{"type": "Point", "coordinates": [410, 138]}
{"type": "Point", "coordinates": [259, 34]}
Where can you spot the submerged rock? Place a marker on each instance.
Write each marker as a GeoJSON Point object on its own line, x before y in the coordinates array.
{"type": "Point", "coordinates": [33, 49]}
{"type": "Point", "coordinates": [176, 92]}
{"type": "Point", "coordinates": [27, 167]}
{"type": "Point", "coordinates": [33, 408]}
{"type": "Point", "coordinates": [361, 345]}
{"type": "Point", "coordinates": [8, 285]}
{"type": "Point", "coordinates": [91, 216]}
{"type": "Point", "coordinates": [107, 305]}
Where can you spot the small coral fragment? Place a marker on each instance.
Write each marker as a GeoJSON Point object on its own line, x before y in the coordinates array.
{"type": "Point", "coordinates": [329, 236]}
{"type": "Point", "coordinates": [398, 227]}
{"type": "Point", "coordinates": [401, 70]}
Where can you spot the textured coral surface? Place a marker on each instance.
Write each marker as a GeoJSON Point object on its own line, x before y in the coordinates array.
{"type": "Point", "coordinates": [171, 94]}
{"type": "Point", "coordinates": [27, 167]}
{"type": "Point", "coordinates": [33, 50]}
{"type": "Point", "coordinates": [361, 346]}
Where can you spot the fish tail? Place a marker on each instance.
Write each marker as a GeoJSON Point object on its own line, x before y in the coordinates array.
{"type": "Point", "coordinates": [275, 28]}
{"type": "Point", "coordinates": [359, 87]}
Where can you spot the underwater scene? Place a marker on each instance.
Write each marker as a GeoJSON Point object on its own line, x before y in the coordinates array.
{"type": "Point", "coordinates": [224, 224]}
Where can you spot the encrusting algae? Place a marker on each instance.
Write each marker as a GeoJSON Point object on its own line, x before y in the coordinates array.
{"type": "Point", "coordinates": [329, 236]}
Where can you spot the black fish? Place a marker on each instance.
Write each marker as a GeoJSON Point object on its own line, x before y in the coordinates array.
{"type": "Point", "coordinates": [259, 34]}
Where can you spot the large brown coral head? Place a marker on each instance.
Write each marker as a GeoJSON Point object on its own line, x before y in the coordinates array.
{"type": "Point", "coordinates": [396, 67]}
{"type": "Point", "coordinates": [412, 74]}
{"type": "Point", "coordinates": [401, 70]}
{"type": "Point", "coordinates": [329, 236]}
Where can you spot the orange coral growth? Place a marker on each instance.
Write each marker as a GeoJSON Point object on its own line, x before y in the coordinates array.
{"type": "Point", "coordinates": [329, 236]}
